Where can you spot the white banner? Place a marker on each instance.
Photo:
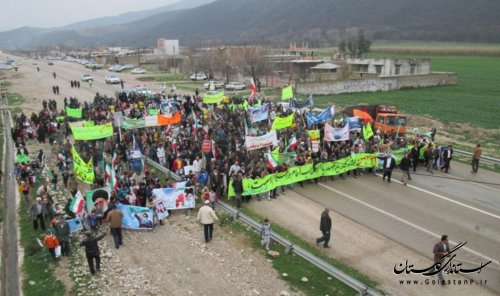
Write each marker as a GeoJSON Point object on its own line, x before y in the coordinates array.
{"type": "Point", "coordinates": [176, 198]}
{"type": "Point", "coordinates": [269, 139]}
{"type": "Point", "coordinates": [336, 134]}
{"type": "Point", "coordinates": [151, 120]}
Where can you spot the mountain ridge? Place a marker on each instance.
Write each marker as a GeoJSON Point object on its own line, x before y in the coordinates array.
{"type": "Point", "coordinates": [282, 21]}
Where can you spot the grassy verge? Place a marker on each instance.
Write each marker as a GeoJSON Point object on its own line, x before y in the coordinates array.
{"type": "Point", "coordinates": [312, 249]}
{"type": "Point", "coordinates": [319, 282]}
{"type": "Point", "coordinates": [164, 77]}
{"type": "Point", "coordinates": [38, 267]}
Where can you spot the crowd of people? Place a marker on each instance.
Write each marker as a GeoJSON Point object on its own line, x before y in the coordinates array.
{"type": "Point", "coordinates": [180, 145]}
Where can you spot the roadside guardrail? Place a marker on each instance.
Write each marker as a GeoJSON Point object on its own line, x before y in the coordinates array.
{"type": "Point", "coordinates": [487, 159]}
{"type": "Point", "coordinates": [289, 246]}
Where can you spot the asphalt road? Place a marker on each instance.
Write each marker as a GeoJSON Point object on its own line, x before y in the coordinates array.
{"type": "Point", "coordinates": [10, 272]}
{"type": "Point", "coordinates": [418, 214]}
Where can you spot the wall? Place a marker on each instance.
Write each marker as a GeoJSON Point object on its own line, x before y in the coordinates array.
{"type": "Point", "coordinates": [377, 84]}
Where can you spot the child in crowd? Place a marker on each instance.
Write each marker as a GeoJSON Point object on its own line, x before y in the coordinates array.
{"type": "Point", "coordinates": [212, 196]}
{"type": "Point", "coordinates": [265, 232]}
{"type": "Point", "coordinates": [51, 242]}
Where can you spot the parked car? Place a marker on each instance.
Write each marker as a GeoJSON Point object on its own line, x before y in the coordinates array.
{"type": "Point", "coordinates": [198, 76]}
{"type": "Point", "coordinates": [86, 77]}
{"type": "Point", "coordinates": [235, 86]}
{"type": "Point", "coordinates": [114, 68]}
{"type": "Point", "coordinates": [112, 79]}
{"type": "Point", "coordinates": [216, 84]}
{"type": "Point", "coordinates": [143, 90]}
{"type": "Point", "coordinates": [51, 63]}
{"type": "Point", "coordinates": [138, 71]}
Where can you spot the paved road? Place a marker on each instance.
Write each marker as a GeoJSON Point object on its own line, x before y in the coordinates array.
{"type": "Point", "coordinates": [417, 215]}
{"type": "Point", "coordinates": [10, 273]}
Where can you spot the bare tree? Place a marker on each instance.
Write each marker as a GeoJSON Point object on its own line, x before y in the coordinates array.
{"type": "Point", "coordinates": [253, 61]}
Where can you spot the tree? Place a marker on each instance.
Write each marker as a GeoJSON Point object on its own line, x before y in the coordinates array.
{"type": "Point", "coordinates": [253, 61]}
{"type": "Point", "coordinates": [355, 48]}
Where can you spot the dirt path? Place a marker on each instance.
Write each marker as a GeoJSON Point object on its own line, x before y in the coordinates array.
{"type": "Point", "coordinates": [356, 245]}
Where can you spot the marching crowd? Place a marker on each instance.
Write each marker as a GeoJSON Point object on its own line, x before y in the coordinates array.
{"type": "Point", "coordinates": [176, 147]}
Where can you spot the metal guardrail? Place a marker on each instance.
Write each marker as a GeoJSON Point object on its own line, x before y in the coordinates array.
{"type": "Point", "coordinates": [487, 159]}
{"type": "Point", "coordinates": [289, 246]}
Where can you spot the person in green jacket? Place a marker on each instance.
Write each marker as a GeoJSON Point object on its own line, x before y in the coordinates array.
{"type": "Point", "coordinates": [62, 233]}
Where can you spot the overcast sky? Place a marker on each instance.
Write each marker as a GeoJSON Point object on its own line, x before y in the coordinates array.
{"type": "Point", "coordinates": [54, 13]}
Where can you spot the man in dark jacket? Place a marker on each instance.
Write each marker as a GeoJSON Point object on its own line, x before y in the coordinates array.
{"type": "Point", "coordinates": [325, 226]}
{"type": "Point", "coordinates": [415, 155]}
{"type": "Point", "coordinates": [238, 188]}
{"type": "Point", "coordinates": [389, 165]}
{"type": "Point", "coordinates": [405, 167]}
{"type": "Point", "coordinates": [447, 156]}
{"type": "Point", "coordinates": [92, 251]}
{"type": "Point", "coordinates": [62, 233]}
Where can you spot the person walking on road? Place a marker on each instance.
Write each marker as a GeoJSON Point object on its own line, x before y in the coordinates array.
{"type": "Point", "coordinates": [238, 188]}
{"type": "Point", "coordinates": [325, 226]}
{"type": "Point", "coordinates": [90, 83]}
{"type": "Point", "coordinates": [54, 74]}
{"type": "Point", "coordinates": [429, 156]}
{"type": "Point", "coordinates": [62, 233]}
{"type": "Point", "coordinates": [265, 233]}
{"type": "Point", "coordinates": [405, 168]}
{"type": "Point", "coordinates": [207, 217]}
{"type": "Point", "coordinates": [440, 250]}
{"type": "Point", "coordinates": [388, 166]}
{"type": "Point", "coordinates": [447, 156]}
{"type": "Point", "coordinates": [115, 222]}
{"type": "Point", "coordinates": [38, 211]}
{"type": "Point", "coordinates": [476, 155]}
{"type": "Point", "coordinates": [92, 251]}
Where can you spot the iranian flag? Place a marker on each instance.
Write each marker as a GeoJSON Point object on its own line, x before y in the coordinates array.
{"type": "Point", "coordinates": [293, 144]}
{"type": "Point", "coordinates": [271, 163]}
{"type": "Point", "coordinates": [77, 203]}
{"type": "Point", "coordinates": [254, 90]}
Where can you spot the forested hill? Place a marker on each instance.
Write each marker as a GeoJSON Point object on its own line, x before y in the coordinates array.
{"type": "Point", "coordinates": [282, 21]}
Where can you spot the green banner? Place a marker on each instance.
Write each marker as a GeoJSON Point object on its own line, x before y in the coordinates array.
{"type": "Point", "coordinates": [282, 122]}
{"type": "Point", "coordinates": [153, 111]}
{"type": "Point", "coordinates": [92, 132]}
{"type": "Point", "coordinates": [60, 118]}
{"type": "Point", "coordinates": [131, 123]}
{"type": "Point", "coordinates": [287, 93]}
{"type": "Point", "coordinates": [213, 97]}
{"type": "Point", "coordinates": [22, 158]}
{"type": "Point", "coordinates": [88, 123]}
{"type": "Point", "coordinates": [305, 172]}
{"type": "Point", "coordinates": [83, 171]}
{"type": "Point", "coordinates": [76, 113]}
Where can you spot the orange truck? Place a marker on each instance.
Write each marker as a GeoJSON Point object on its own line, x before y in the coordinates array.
{"type": "Point", "coordinates": [384, 117]}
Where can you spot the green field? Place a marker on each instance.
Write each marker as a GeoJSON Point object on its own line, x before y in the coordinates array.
{"type": "Point", "coordinates": [475, 100]}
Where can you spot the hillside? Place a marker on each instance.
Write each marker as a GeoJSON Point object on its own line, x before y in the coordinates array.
{"type": "Point", "coordinates": [282, 21]}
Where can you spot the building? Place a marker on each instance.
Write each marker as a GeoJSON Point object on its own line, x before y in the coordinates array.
{"type": "Point", "coordinates": [324, 71]}
{"type": "Point", "coordinates": [168, 47]}
{"type": "Point", "coordinates": [389, 67]}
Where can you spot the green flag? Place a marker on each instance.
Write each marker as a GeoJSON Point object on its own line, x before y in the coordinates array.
{"type": "Point", "coordinates": [22, 158]}
{"type": "Point", "coordinates": [153, 111]}
{"type": "Point", "coordinates": [367, 131]}
{"type": "Point", "coordinates": [76, 113]}
{"type": "Point", "coordinates": [92, 132]}
{"type": "Point", "coordinates": [287, 93]}
{"type": "Point", "coordinates": [282, 122]}
{"type": "Point", "coordinates": [213, 97]}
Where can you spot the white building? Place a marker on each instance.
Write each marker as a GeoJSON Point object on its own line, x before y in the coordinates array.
{"type": "Point", "coordinates": [167, 47]}
{"type": "Point", "coordinates": [390, 67]}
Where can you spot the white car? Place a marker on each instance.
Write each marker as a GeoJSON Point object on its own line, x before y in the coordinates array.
{"type": "Point", "coordinates": [112, 79]}
{"type": "Point", "coordinates": [216, 84]}
{"type": "Point", "coordinates": [198, 76]}
{"type": "Point", "coordinates": [235, 86]}
{"type": "Point", "coordinates": [138, 71]}
{"type": "Point", "coordinates": [86, 77]}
